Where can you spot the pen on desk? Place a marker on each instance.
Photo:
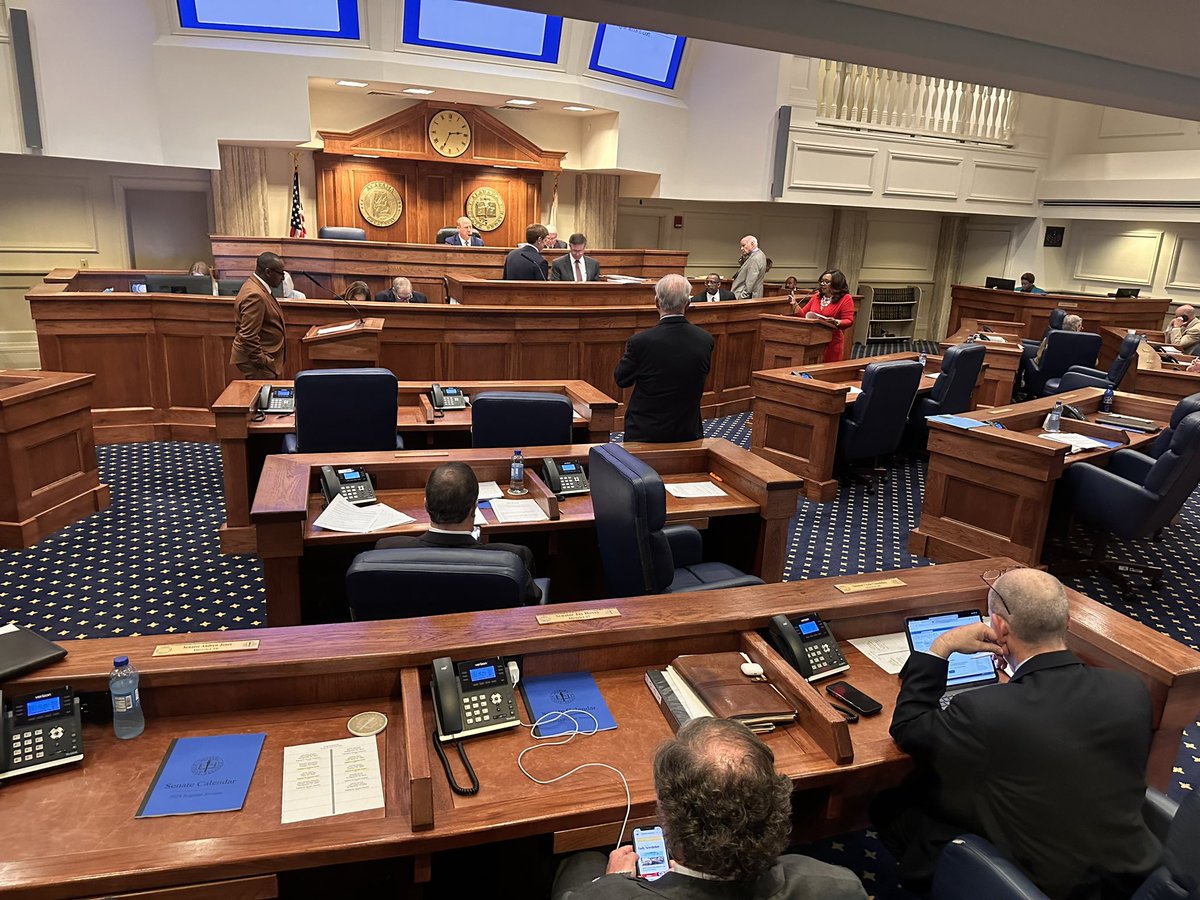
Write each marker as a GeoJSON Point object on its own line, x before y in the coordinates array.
{"type": "Point", "coordinates": [715, 477]}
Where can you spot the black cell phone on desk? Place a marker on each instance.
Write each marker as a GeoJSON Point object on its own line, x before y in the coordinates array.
{"type": "Point", "coordinates": [854, 698]}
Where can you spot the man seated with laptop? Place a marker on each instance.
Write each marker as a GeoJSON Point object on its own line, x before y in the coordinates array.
{"type": "Point", "coordinates": [1049, 767]}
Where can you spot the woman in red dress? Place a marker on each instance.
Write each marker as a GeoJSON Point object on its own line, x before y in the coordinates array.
{"type": "Point", "coordinates": [830, 303]}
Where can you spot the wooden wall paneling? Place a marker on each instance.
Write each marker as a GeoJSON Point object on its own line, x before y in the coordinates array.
{"type": "Point", "coordinates": [413, 355]}
{"type": "Point", "coordinates": [475, 356]}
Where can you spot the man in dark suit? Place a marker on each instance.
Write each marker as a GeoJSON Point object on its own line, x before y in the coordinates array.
{"type": "Point", "coordinates": [526, 262]}
{"type": "Point", "coordinates": [552, 241]}
{"type": "Point", "coordinates": [712, 292]}
{"type": "Point", "coordinates": [574, 266]}
{"type": "Point", "coordinates": [666, 366]}
{"type": "Point", "coordinates": [259, 330]}
{"type": "Point", "coordinates": [401, 292]}
{"type": "Point", "coordinates": [1049, 767]}
{"type": "Point", "coordinates": [451, 494]}
{"type": "Point", "coordinates": [465, 236]}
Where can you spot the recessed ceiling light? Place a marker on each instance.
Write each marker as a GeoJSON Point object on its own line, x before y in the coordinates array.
{"type": "Point", "coordinates": [522, 103]}
{"type": "Point", "coordinates": [578, 108]}
{"type": "Point", "coordinates": [417, 91]}
{"type": "Point", "coordinates": [352, 84]}
{"type": "Point", "coordinates": [367, 155]}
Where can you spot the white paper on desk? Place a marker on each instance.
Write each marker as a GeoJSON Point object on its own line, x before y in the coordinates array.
{"type": "Point", "coordinates": [855, 391]}
{"type": "Point", "coordinates": [933, 375]}
{"type": "Point", "coordinates": [888, 651]}
{"type": "Point", "coordinates": [331, 778]}
{"type": "Point", "coordinates": [490, 490]}
{"type": "Point", "coordinates": [1167, 348]}
{"type": "Point", "coordinates": [479, 517]}
{"type": "Point", "coordinates": [342, 515]}
{"type": "Point", "coordinates": [695, 489]}
{"type": "Point", "coordinates": [1077, 442]}
{"type": "Point", "coordinates": [519, 511]}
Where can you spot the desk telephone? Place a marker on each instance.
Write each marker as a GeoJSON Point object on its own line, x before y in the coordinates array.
{"type": "Point", "coordinates": [352, 482]}
{"type": "Point", "coordinates": [566, 477]}
{"type": "Point", "coordinates": [806, 643]}
{"type": "Point", "coordinates": [41, 731]}
{"type": "Point", "coordinates": [447, 397]}
{"type": "Point", "coordinates": [273, 399]}
{"type": "Point", "coordinates": [474, 697]}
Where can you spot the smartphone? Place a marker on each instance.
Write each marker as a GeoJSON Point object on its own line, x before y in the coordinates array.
{"type": "Point", "coordinates": [651, 852]}
{"type": "Point", "coordinates": [854, 698]}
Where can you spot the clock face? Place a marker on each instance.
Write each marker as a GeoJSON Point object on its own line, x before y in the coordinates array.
{"type": "Point", "coordinates": [449, 133]}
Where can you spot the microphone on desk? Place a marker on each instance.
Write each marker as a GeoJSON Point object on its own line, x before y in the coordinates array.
{"type": "Point", "coordinates": [336, 295]}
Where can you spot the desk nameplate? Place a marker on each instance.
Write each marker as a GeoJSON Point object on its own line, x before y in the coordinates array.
{"type": "Point", "coordinates": [578, 616]}
{"type": "Point", "coordinates": [877, 585]}
{"type": "Point", "coordinates": [203, 647]}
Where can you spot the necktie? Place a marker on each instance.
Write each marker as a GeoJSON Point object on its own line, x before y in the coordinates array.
{"type": "Point", "coordinates": [578, 271]}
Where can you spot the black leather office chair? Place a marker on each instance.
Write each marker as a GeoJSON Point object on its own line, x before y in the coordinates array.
{"type": "Point", "coordinates": [229, 287]}
{"type": "Point", "coordinates": [1063, 350]}
{"type": "Point", "coordinates": [433, 581]}
{"type": "Point", "coordinates": [344, 410]}
{"type": "Point", "coordinates": [972, 867]}
{"type": "Point", "coordinates": [1029, 346]}
{"type": "Point", "coordinates": [520, 419]}
{"type": "Point", "coordinates": [1133, 498]}
{"type": "Point", "coordinates": [1183, 409]}
{"type": "Point", "coordinates": [640, 553]}
{"type": "Point", "coordinates": [951, 392]}
{"type": "Point", "coordinates": [444, 233]}
{"type": "Point", "coordinates": [340, 233]}
{"type": "Point", "coordinates": [1083, 376]}
{"type": "Point", "coordinates": [874, 425]}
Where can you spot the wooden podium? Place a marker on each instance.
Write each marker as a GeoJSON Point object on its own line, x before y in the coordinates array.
{"type": "Point", "coordinates": [342, 345]}
{"type": "Point", "coordinates": [48, 475]}
{"type": "Point", "coordinates": [788, 341]}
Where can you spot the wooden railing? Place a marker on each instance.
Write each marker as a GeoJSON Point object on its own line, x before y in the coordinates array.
{"type": "Point", "coordinates": [881, 99]}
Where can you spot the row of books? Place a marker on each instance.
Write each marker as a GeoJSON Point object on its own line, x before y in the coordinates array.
{"type": "Point", "coordinates": [714, 684]}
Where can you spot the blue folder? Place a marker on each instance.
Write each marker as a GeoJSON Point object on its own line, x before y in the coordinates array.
{"type": "Point", "coordinates": [203, 774]}
{"type": "Point", "coordinates": [557, 693]}
{"type": "Point", "coordinates": [956, 421]}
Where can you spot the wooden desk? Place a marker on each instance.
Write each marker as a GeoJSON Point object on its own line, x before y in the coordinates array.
{"type": "Point", "coordinates": [245, 443]}
{"type": "Point", "coordinates": [1002, 360]}
{"type": "Point", "coordinates": [747, 528]}
{"type": "Point", "coordinates": [1149, 376]}
{"type": "Point", "coordinates": [973, 302]}
{"type": "Point", "coordinates": [785, 341]}
{"type": "Point", "coordinates": [48, 474]}
{"type": "Point", "coordinates": [795, 420]}
{"type": "Point", "coordinates": [988, 490]}
{"type": "Point", "coordinates": [64, 834]}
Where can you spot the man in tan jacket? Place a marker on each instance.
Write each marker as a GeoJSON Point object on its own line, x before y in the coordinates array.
{"type": "Point", "coordinates": [1184, 330]}
{"type": "Point", "coordinates": [258, 341]}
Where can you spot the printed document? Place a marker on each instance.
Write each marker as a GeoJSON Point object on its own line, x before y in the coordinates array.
{"type": "Point", "coordinates": [695, 489]}
{"type": "Point", "coordinates": [342, 515]}
{"type": "Point", "coordinates": [331, 778]}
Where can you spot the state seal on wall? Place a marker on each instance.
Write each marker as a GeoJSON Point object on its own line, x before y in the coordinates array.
{"type": "Point", "coordinates": [485, 208]}
{"type": "Point", "coordinates": [380, 204]}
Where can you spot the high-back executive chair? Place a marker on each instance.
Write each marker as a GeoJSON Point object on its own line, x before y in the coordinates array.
{"type": "Point", "coordinates": [341, 233]}
{"type": "Point", "coordinates": [1133, 498]}
{"type": "Point", "coordinates": [639, 552]}
{"type": "Point", "coordinates": [520, 419]}
{"type": "Point", "coordinates": [1029, 346]}
{"type": "Point", "coordinates": [972, 867]}
{"type": "Point", "coordinates": [432, 581]}
{"type": "Point", "coordinates": [344, 410]}
{"type": "Point", "coordinates": [951, 392]}
{"type": "Point", "coordinates": [874, 425]}
{"type": "Point", "coordinates": [444, 233]}
{"type": "Point", "coordinates": [1063, 350]}
{"type": "Point", "coordinates": [1084, 376]}
{"type": "Point", "coordinates": [1182, 410]}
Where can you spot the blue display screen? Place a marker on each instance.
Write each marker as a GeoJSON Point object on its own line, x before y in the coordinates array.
{"type": "Point", "coordinates": [483, 673]}
{"type": "Point", "coordinates": [282, 392]}
{"type": "Point", "coordinates": [964, 668]}
{"type": "Point", "coordinates": [348, 475]}
{"type": "Point", "coordinates": [305, 18]}
{"type": "Point", "coordinates": [635, 53]}
{"type": "Point", "coordinates": [40, 707]}
{"type": "Point", "coordinates": [570, 467]}
{"type": "Point", "coordinates": [809, 628]}
{"type": "Point", "coordinates": [476, 28]}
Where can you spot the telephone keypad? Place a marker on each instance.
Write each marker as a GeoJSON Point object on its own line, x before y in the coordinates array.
{"type": "Point", "coordinates": [480, 708]}
{"type": "Point", "coordinates": [357, 493]}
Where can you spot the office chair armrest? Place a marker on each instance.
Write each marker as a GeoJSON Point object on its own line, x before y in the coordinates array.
{"type": "Point", "coordinates": [686, 543]}
{"type": "Point", "coordinates": [1159, 811]}
{"type": "Point", "coordinates": [1131, 465]}
{"type": "Point", "coordinates": [739, 581]}
{"type": "Point", "coordinates": [1029, 347]}
{"type": "Point", "coordinates": [972, 867]}
{"type": "Point", "coordinates": [543, 586]}
{"type": "Point", "coordinates": [1089, 372]}
{"type": "Point", "coordinates": [1081, 377]}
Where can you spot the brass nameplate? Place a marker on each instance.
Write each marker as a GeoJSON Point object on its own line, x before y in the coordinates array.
{"type": "Point", "coordinates": [1067, 305]}
{"type": "Point", "coordinates": [203, 647]}
{"type": "Point", "coordinates": [578, 616]}
{"type": "Point", "coordinates": [869, 585]}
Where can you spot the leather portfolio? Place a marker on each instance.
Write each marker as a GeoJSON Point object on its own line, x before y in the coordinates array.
{"type": "Point", "coordinates": [718, 680]}
{"type": "Point", "coordinates": [22, 650]}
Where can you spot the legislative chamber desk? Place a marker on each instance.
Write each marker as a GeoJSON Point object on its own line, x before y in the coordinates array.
{"type": "Point", "coordinates": [1153, 375]}
{"type": "Point", "coordinates": [796, 419]}
{"type": "Point", "coordinates": [988, 490]}
{"type": "Point", "coordinates": [72, 833]}
{"type": "Point", "coordinates": [747, 527]}
{"type": "Point", "coordinates": [973, 302]}
{"type": "Point", "coordinates": [160, 360]}
{"type": "Point", "coordinates": [1002, 360]}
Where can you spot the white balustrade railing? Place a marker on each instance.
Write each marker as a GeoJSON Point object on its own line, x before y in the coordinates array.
{"type": "Point", "coordinates": [868, 97]}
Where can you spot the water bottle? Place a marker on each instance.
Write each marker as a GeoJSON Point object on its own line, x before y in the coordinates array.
{"type": "Point", "coordinates": [128, 721]}
{"type": "Point", "coordinates": [1054, 420]}
{"type": "Point", "coordinates": [1107, 400]}
{"type": "Point", "coordinates": [921, 360]}
{"type": "Point", "coordinates": [516, 476]}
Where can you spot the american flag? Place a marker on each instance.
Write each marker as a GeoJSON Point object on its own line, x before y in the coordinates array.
{"type": "Point", "coordinates": [297, 221]}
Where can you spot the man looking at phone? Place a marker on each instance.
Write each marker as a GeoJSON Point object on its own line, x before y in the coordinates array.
{"type": "Point", "coordinates": [1049, 767]}
{"type": "Point", "coordinates": [726, 816]}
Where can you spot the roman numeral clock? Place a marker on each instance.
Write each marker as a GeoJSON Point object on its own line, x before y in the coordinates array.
{"type": "Point", "coordinates": [449, 134]}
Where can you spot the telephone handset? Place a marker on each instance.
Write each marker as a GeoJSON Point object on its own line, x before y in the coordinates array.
{"type": "Point", "coordinates": [40, 731]}
{"type": "Point", "coordinates": [447, 397]}
{"type": "Point", "coordinates": [1072, 412]}
{"type": "Point", "coordinates": [352, 482]}
{"type": "Point", "coordinates": [566, 477]}
{"type": "Point", "coordinates": [806, 643]}
{"type": "Point", "coordinates": [273, 399]}
{"type": "Point", "coordinates": [474, 697]}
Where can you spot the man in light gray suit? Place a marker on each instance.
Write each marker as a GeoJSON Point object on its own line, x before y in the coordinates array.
{"type": "Point", "coordinates": [749, 280]}
{"type": "Point", "coordinates": [574, 266]}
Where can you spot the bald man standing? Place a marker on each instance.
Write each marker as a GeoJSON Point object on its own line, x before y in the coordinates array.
{"type": "Point", "coordinates": [748, 283]}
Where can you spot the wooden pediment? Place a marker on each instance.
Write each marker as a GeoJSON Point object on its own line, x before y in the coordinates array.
{"type": "Point", "coordinates": [404, 135]}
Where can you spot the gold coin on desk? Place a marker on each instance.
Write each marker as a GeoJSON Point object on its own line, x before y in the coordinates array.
{"type": "Point", "coordinates": [366, 724]}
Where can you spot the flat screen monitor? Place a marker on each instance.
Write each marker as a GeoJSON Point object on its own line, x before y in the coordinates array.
{"type": "Point", "coordinates": [1000, 284]}
{"type": "Point", "coordinates": [637, 54]}
{"type": "Point", "coordinates": [477, 28]}
{"type": "Point", "coordinates": [1127, 293]}
{"type": "Point", "coordinates": [229, 287]}
{"type": "Point", "coordinates": [179, 284]}
{"type": "Point", "coordinates": [304, 18]}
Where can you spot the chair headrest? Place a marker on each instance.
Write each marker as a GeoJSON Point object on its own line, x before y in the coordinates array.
{"type": "Point", "coordinates": [1057, 316]}
{"type": "Point", "coordinates": [1185, 407]}
{"type": "Point", "coordinates": [960, 353]}
{"type": "Point", "coordinates": [339, 233]}
{"type": "Point", "coordinates": [529, 397]}
{"type": "Point", "coordinates": [637, 473]}
{"type": "Point", "coordinates": [453, 560]}
{"type": "Point", "coordinates": [1129, 345]}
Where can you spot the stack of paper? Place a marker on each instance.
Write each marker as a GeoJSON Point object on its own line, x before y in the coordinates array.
{"type": "Point", "coordinates": [695, 489]}
{"type": "Point", "coordinates": [490, 490]}
{"type": "Point", "coordinates": [342, 515]}
{"type": "Point", "coordinates": [331, 778]}
{"type": "Point", "coordinates": [519, 511]}
{"type": "Point", "coordinates": [1077, 442]}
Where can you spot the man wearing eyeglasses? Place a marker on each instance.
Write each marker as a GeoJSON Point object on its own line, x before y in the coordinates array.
{"type": "Point", "coordinates": [1049, 767]}
{"type": "Point", "coordinates": [258, 341]}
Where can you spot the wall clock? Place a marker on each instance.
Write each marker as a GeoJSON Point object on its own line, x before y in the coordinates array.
{"type": "Point", "coordinates": [449, 134]}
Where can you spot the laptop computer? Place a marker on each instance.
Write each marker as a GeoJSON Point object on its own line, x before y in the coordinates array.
{"type": "Point", "coordinates": [967, 671]}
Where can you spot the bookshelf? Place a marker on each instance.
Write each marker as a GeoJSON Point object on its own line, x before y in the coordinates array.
{"type": "Point", "coordinates": [887, 313]}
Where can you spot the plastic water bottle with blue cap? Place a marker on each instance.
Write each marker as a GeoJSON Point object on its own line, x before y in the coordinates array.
{"type": "Point", "coordinates": [128, 720]}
